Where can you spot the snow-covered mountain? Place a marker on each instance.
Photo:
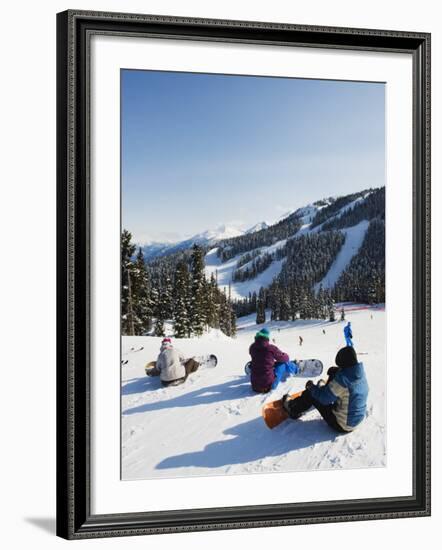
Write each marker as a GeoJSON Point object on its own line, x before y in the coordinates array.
{"type": "Point", "coordinates": [247, 263]}
{"type": "Point", "coordinates": [209, 237]}
{"type": "Point", "coordinates": [257, 227]}
{"type": "Point", "coordinates": [326, 235]}
{"type": "Point", "coordinates": [217, 234]}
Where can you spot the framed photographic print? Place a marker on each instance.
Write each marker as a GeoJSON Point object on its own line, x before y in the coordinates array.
{"type": "Point", "coordinates": [243, 274]}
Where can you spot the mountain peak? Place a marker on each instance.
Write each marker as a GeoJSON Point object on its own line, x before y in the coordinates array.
{"type": "Point", "coordinates": [219, 233]}
{"type": "Point", "coordinates": [257, 227]}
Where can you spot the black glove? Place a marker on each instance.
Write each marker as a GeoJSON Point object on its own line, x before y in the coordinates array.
{"type": "Point", "coordinates": [285, 405]}
{"type": "Point", "coordinates": [309, 384]}
{"type": "Point", "coordinates": [332, 371]}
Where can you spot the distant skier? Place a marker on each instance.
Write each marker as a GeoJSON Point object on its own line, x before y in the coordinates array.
{"type": "Point", "coordinates": [269, 364]}
{"type": "Point", "coordinates": [342, 402]}
{"type": "Point", "coordinates": [171, 365]}
{"type": "Point", "coordinates": [301, 340]}
{"type": "Point", "coordinates": [323, 331]}
{"type": "Point", "coordinates": [348, 334]}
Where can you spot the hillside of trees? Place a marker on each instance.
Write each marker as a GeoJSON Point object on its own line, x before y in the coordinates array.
{"type": "Point", "coordinates": [372, 207]}
{"type": "Point", "coordinates": [364, 279]}
{"type": "Point", "coordinates": [172, 290]}
{"type": "Point", "coordinates": [174, 287]}
{"type": "Point", "coordinates": [253, 268]}
{"type": "Point", "coordinates": [308, 258]}
{"type": "Point", "coordinates": [247, 257]}
{"type": "Point", "coordinates": [284, 229]}
{"type": "Point", "coordinates": [332, 209]}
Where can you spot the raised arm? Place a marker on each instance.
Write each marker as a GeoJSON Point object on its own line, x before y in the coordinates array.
{"type": "Point", "coordinates": [279, 356]}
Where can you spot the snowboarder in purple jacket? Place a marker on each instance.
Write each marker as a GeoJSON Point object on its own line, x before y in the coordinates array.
{"type": "Point", "coordinates": [268, 364]}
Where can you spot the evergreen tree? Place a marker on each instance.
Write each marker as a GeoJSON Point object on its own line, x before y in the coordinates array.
{"type": "Point", "coordinates": [232, 322]}
{"type": "Point", "coordinates": [159, 325]}
{"type": "Point", "coordinates": [330, 306]}
{"type": "Point", "coordinates": [167, 295]}
{"type": "Point", "coordinates": [127, 313]}
{"type": "Point", "coordinates": [284, 308]}
{"type": "Point", "coordinates": [215, 305]}
{"type": "Point", "coordinates": [260, 308]}
{"type": "Point", "coordinates": [225, 315]}
{"type": "Point", "coordinates": [197, 314]}
{"type": "Point", "coordinates": [322, 303]}
{"type": "Point", "coordinates": [275, 301]}
{"type": "Point", "coordinates": [294, 302]}
{"type": "Point", "coordinates": [181, 301]}
{"type": "Point", "coordinates": [140, 291]}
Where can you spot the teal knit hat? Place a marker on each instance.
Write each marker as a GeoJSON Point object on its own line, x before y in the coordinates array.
{"type": "Point", "coordinates": [264, 333]}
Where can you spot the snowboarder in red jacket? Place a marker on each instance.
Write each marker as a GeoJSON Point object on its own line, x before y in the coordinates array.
{"type": "Point", "coordinates": [265, 357]}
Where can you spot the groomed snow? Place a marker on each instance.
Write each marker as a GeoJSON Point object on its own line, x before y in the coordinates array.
{"type": "Point", "coordinates": [306, 227]}
{"type": "Point", "coordinates": [224, 272]}
{"type": "Point", "coordinates": [354, 237]}
{"type": "Point", "coordinates": [212, 425]}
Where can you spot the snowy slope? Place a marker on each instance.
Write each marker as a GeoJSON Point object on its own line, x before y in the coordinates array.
{"type": "Point", "coordinates": [152, 250]}
{"type": "Point", "coordinates": [219, 233]}
{"type": "Point", "coordinates": [354, 236]}
{"type": "Point", "coordinates": [353, 241]}
{"type": "Point", "coordinates": [225, 271]}
{"type": "Point", "coordinates": [212, 425]}
{"type": "Point", "coordinates": [257, 227]}
{"type": "Point", "coordinates": [305, 228]}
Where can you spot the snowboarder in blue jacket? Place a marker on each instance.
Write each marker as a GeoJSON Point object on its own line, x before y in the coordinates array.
{"type": "Point", "coordinates": [342, 401]}
{"type": "Point", "coordinates": [348, 334]}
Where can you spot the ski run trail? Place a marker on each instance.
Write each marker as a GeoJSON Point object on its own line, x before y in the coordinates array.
{"type": "Point", "coordinates": [354, 237]}
{"type": "Point", "coordinates": [212, 424]}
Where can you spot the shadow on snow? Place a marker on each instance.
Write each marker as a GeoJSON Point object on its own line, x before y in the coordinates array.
{"type": "Point", "coordinates": [227, 391]}
{"type": "Point", "coordinates": [141, 385]}
{"type": "Point", "coordinates": [251, 442]}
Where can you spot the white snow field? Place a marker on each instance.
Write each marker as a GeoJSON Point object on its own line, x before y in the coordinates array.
{"type": "Point", "coordinates": [212, 424]}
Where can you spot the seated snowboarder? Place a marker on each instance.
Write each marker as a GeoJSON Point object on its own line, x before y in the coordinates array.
{"type": "Point", "coordinates": [342, 401]}
{"type": "Point", "coordinates": [269, 364]}
{"type": "Point", "coordinates": [171, 365]}
{"type": "Point", "coordinates": [348, 334]}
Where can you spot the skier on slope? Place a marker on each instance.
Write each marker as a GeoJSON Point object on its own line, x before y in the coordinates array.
{"type": "Point", "coordinates": [269, 364]}
{"type": "Point", "coordinates": [348, 334]}
{"type": "Point", "coordinates": [342, 401]}
{"type": "Point", "coordinates": [171, 365]}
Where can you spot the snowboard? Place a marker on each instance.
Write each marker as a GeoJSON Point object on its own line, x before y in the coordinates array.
{"type": "Point", "coordinates": [274, 413]}
{"type": "Point", "coordinates": [209, 361]}
{"type": "Point", "coordinates": [309, 368]}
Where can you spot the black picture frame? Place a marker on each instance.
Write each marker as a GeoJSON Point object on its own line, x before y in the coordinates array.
{"type": "Point", "coordinates": [74, 518]}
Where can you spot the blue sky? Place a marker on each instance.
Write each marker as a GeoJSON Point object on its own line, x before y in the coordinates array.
{"type": "Point", "coordinates": [200, 150]}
